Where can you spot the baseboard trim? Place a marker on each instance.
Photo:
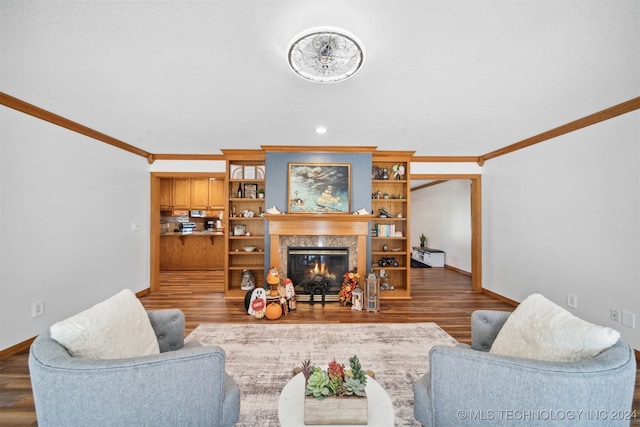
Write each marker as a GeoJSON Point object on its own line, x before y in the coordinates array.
{"type": "Point", "coordinates": [500, 297]}
{"type": "Point", "coordinates": [457, 270]}
{"type": "Point", "coordinates": [18, 348]}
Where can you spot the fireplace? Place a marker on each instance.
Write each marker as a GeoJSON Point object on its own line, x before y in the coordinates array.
{"type": "Point", "coordinates": [317, 272]}
{"type": "Point", "coordinates": [319, 231]}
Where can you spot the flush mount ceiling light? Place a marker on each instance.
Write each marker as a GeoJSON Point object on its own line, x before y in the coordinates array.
{"type": "Point", "coordinates": [325, 54]}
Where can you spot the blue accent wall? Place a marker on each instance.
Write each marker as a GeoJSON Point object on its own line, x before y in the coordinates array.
{"type": "Point", "coordinates": [277, 192]}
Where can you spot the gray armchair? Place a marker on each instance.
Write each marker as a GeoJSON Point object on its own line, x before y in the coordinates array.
{"type": "Point", "coordinates": [183, 385]}
{"type": "Point", "coordinates": [470, 386]}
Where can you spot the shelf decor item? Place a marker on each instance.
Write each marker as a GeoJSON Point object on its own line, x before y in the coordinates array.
{"type": "Point", "coordinates": [249, 172]}
{"type": "Point", "coordinates": [236, 172]}
{"type": "Point", "coordinates": [250, 191]}
{"type": "Point", "coordinates": [320, 187]}
{"type": "Point", "coordinates": [336, 395]}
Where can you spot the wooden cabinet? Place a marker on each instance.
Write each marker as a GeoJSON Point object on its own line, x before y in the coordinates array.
{"type": "Point", "coordinates": [207, 193]}
{"type": "Point", "coordinates": [175, 193]}
{"type": "Point", "coordinates": [197, 251]}
{"type": "Point", "coordinates": [245, 221]}
{"type": "Point", "coordinates": [390, 250]}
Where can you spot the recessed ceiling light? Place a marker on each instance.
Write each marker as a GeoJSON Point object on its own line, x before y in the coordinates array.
{"type": "Point", "coordinates": [321, 130]}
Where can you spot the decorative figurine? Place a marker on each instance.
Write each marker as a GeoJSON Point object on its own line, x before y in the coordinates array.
{"type": "Point", "coordinates": [273, 279]}
{"type": "Point", "coordinates": [258, 303]}
{"type": "Point", "coordinates": [283, 299]}
{"type": "Point", "coordinates": [290, 294]}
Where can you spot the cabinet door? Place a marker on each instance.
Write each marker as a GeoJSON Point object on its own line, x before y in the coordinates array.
{"type": "Point", "coordinates": [181, 193]}
{"type": "Point", "coordinates": [199, 193]}
{"type": "Point", "coordinates": [216, 193]}
{"type": "Point", "coordinates": [166, 193]}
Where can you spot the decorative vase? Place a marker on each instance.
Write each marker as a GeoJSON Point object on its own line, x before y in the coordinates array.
{"type": "Point", "coordinates": [334, 410]}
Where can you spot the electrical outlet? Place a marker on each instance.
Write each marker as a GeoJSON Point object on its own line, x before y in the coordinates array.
{"type": "Point", "coordinates": [383, 272]}
{"type": "Point", "coordinates": [572, 301]}
{"type": "Point", "coordinates": [628, 319]}
{"type": "Point", "coordinates": [37, 309]}
{"type": "Point", "coordinates": [136, 226]}
{"type": "Point", "coordinates": [614, 314]}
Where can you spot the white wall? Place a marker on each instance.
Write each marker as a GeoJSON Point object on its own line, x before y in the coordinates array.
{"type": "Point", "coordinates": [445, 168]}
{"type": "Point", "coordinates": [188, 166]}
{"type": "Point", "coordinates": [443, 213]}
{"type": "Point", "coordinates": [68, 203]}
{"type": "Point", "coordinates": [563, 217]}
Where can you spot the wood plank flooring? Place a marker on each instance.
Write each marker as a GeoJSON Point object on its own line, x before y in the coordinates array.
{"type": "Point", "coordinates": [438, 295]}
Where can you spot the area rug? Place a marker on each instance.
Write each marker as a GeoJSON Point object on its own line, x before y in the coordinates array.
{"type": "Point", "coordinates": [261, 358]}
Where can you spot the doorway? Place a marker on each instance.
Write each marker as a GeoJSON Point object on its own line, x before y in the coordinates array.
{"type": "Point", "coordinates": [476, 217]}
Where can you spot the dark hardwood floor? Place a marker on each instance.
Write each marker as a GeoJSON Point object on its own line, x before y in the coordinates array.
{"type": "Point", "coordinates": [438, 295]}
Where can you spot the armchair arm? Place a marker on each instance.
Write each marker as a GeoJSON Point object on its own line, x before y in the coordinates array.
{"type": "Point", "coordinates": [169, 328]}
{"type": "Point", "coordinates": [184, 387]}
{"type": "Point", "coordinates": [501, 390]}
{"type": "Point", "coordinates": [485, 325]}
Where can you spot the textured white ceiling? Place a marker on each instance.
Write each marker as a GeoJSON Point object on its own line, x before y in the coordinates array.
{"type": "Point", "coordinates": [441, 77]}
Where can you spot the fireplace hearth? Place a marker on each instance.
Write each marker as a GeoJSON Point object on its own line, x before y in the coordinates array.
{"type": "Point", "coordinates": [317, 272]}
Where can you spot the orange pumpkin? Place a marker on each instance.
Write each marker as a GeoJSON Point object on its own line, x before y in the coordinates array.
{"type": "Point", "coordinates": [273, 311]}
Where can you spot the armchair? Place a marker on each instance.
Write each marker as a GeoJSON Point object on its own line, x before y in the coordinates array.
{"type": "Point", "coordinates": [470, 385]}
{"type": "Point", "coordinates": [183, 385]}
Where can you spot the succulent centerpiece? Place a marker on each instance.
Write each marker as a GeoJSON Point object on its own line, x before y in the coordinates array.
{"type": "Point", "coordinates": [336, 395]}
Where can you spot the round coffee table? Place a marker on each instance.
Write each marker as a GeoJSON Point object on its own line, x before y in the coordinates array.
{"type": "Point", "coordinates": [291, 404]}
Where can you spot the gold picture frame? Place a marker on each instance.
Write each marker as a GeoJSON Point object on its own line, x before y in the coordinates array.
{"type": "Point", "coordinates": [319, 187]}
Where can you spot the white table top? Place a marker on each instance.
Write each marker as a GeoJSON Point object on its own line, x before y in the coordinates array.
{"type": "Point", "coordinates": [291, 404]}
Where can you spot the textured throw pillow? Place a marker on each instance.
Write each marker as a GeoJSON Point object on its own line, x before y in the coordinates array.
{"type": "Point", "coordinates": [116, 328]}
{"type": "Point", "coordinates": [540, 329]}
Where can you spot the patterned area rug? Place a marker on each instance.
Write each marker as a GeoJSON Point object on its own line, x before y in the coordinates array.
{"type": "Point", "coordinates": [261, 358]}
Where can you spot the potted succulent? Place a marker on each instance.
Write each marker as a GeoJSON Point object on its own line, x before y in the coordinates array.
{"type": "Point", "coordinates": [261, 193]}
{"type": "Point", "coordinates": [423, 240]}
{"type": "Point", "coordinates": [335, 394]}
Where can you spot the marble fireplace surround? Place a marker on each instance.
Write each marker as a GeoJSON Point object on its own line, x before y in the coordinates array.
{"type": "Point", "coordinates": [320, 230]}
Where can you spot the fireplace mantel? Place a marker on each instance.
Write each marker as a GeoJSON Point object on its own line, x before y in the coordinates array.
{"type": "Point", "coordinates": [319, 225]}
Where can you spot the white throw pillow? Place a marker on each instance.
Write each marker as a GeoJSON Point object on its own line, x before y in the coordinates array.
{"type": "Point", "coordinates": [540, 329]}
{"type": "Point", "coordinates": [116, 328]}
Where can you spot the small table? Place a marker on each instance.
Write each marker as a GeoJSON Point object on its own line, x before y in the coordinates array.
{"type": "Point", "coordinates": [291, 404]}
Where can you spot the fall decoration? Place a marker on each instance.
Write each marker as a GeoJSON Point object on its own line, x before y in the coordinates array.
{"type": "Point", "coordinates": [273, 311]}
{"type": "Point", "coordinates": [349, 283]}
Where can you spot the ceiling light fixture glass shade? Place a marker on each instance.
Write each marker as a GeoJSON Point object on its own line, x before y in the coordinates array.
{"type": "Point", "coordinates": [325, 54]}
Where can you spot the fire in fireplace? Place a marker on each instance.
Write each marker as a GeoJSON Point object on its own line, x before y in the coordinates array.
{"type": "Point", "coordinates": [317, 271]}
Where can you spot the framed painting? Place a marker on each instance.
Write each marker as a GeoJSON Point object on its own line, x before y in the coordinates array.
{"type": "Point", "coordinates": [320, 187]}
{"type": "Point", "coordinates": [235, 171]}
{"type": "Point", "coordinates": [249, 172]}
{"type": "Point", "coordinates": [250, 191]}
